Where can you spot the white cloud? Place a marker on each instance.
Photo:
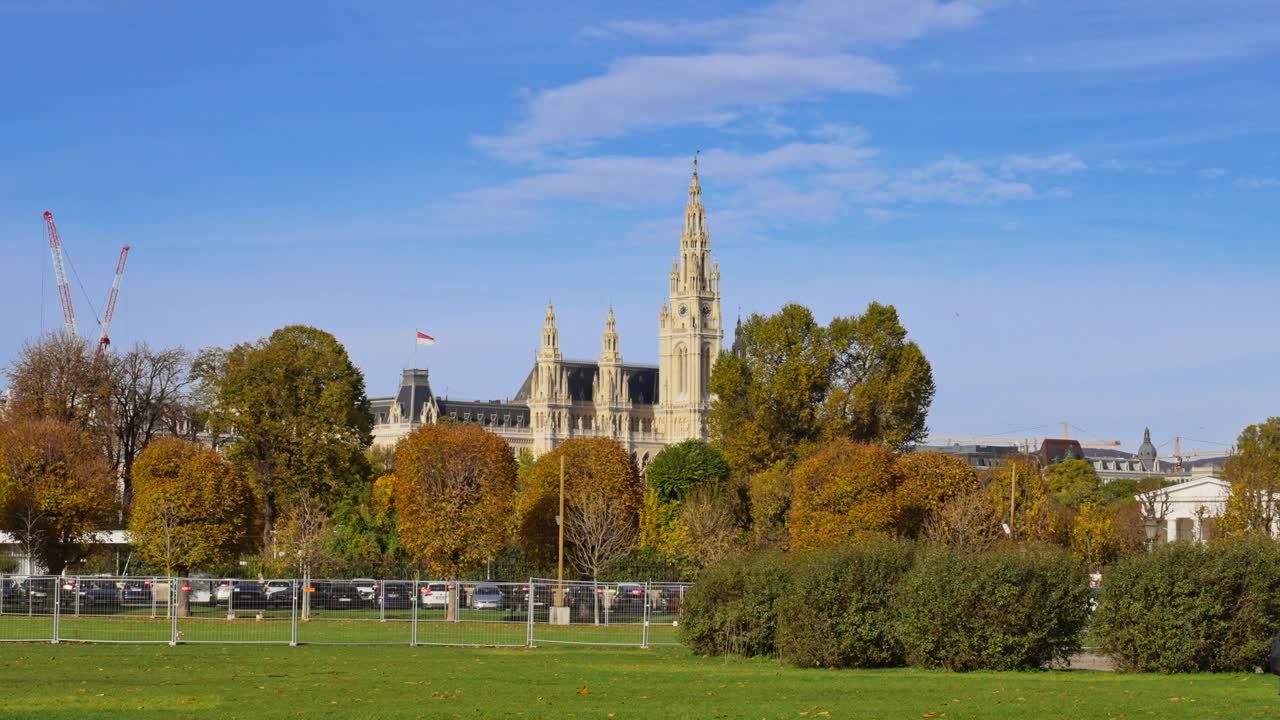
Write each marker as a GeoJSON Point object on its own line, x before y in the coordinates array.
{"type": "Point", "coordinates": [667, 91]}
{"type": "Point", "coordinates": [1257, 182]}
{"type": "Point", "coordinates": [802, 26]}
{"type": "Point", "coordinates": [1062, 163]}
{"type": "Point", "coordinates": [955, 181]}
{"type": "Point", "coordinates": [1212, 173]}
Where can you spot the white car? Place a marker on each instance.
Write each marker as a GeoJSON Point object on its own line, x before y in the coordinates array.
{"type": "Point", "coordinates": [434, 595]}
{"type": "Point", "coordinates": [367, 587]}
{"type": "Point", "coordinates": [276, 586]}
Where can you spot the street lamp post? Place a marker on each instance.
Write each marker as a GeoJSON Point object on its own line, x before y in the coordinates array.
{"type": "Point", "coordinates": [1149, 524]}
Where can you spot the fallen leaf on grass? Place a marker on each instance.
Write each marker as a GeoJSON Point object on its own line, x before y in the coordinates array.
{"type": "Point", "coordinates": [583, 690]}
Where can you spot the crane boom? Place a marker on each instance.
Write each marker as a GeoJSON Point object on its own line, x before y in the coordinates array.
{"type": "Point", "coordinates": [110, 311]}
{"type": "Point", "coordinates": [60, 273]}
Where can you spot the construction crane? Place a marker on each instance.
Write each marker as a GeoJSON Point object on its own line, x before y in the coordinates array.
{"type": "Point", "coordinates": [1178, 455]}
{"type": "Point", "coordinates": [60, 273]}
{"type": "Point", "coordinates": [110, 310]}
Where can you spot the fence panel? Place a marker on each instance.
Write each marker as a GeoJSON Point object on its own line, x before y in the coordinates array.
{"type": "Point", "coordinates": [589, 613]}
{"type": "Point", "coordinates": [232, 610]}
{"type": "Point", "coordinates": [473, 613]}
{"type": "Point", "coordinates": [115, 609]}
{"type": "Point", "coordinates": [338, 612]}
{"type": "Point", "coordinates": [666, 601]}
{"type": "Point", "coordinates": [27, 608]}
{"type": "Point", "coordinates": [356, 612]}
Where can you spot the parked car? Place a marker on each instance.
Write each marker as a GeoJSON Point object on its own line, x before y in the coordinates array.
{"type": "Point", "coordinates": [628, 600]}
{"type": "Point", "coordinates": [395, 595]}
{"type": "Point", "coordinates": [135, 592]}
{"type": "Point", "coordinates": [98, 594]}
{"type": "Point", "coordinates": [434, 595]}
{"type": "Point", "coordinates": [335, 596]}
{"type": "Point", "coordinates": [582, 600]}
{"type": "Point", "coordinates": [248, 596]}
{"type": "Point", "coordinates": [518, 598]}
{"type": "Point", "coordinates": [367, 587]}
{"type": "Point", "coordinates": [487, 597]}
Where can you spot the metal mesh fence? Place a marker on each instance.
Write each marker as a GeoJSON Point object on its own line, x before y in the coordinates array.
{"type": "Point", "coordinates": [338, 611]}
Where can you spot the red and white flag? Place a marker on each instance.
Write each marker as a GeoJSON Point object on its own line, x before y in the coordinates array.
{"type": "Point", "coordinates": [425, 339]}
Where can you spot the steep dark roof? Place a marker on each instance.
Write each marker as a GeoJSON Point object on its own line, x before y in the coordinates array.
{"type": "Point", "coordinates": [642, 387]}
{"type": "Point", "coordinates": [490, 413]}
{"type": "Point", "coordinates": [415, 389]}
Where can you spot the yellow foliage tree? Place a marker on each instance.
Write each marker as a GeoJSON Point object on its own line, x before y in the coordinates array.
{"type": "Point", "coordinates": [843, 491]}
{"type": "Point", "coordinates": [191, 509]}
{"type": "Point", "coordinates": [454, 493]}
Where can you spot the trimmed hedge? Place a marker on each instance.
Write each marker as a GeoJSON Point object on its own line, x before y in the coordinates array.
{"type": "Point", "coordinates": [885, 604]}
{"type": "Point", "coordinates": [731, 609]}
{"type": "Point", "coordinates": [1009, 608]}
{"type": "Point", "coordinates": [1192, 608]}
{"type": "Point", "coordinates": [841, 608]}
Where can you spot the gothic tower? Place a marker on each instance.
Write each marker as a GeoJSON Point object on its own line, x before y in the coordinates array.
{"type": "Point", "coordinates": [690, 331]}
{"type": "Point", "coordinates": [549, 400]}
{"type": "Point", "coordinates": [612, 402]}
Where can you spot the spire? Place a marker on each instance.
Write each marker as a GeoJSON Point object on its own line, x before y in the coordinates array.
{"type": "Point", "coordinates": [1147, 453]}
{"type": "Point", "coordinates": [609, 343]}
{"type": "Point", "coordinates": [550, 336]}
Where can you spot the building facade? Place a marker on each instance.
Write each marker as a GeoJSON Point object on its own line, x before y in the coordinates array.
{"type": "Point", "coordinates": [643, 407]}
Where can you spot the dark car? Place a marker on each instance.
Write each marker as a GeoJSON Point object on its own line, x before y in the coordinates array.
{"type": "Point", "coordinates": [518, 598]}
{"type": "Point", "coordinates": [629, 600]}
{"type": "Point", "coordinates": [335, 596]}
{"type": "Point", "coordinates": [247, 596]}
{"type": "Point", "coordinates": [136, 592]}
{"type": "Point", "coordinates": [98, 594]}
{"type": "Point", "coordinates": [584, 601]}
{"type": "Point", "coordinates": [395, 595]}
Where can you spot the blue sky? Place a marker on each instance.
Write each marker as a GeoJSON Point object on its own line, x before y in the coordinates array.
{"type": "Point", "coordinates": [1073, 205]}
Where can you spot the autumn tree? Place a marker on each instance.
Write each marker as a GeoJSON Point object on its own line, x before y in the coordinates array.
{"type": "Point", "coordinates": [845, 490]}
{"type": "Point", "coordinates": [769, 496]}
{"type": "Point", "coordinates": [56, 378]}
{"type": "Point", "coordinates": [295, 407]}
{"type": "Point", "coordinates": [58, 490]}
{"type": "Point", "coordinates": [792, 383]}
{"type": "Point", "coordinates": [927, 481]}
{"type": "Point", "coordinates": [674, 474]}
{"type": "Point", "coordinates": [704, 531]}
{"type": "Point", "coordinates": [191, 508]}
{"type": "Point", "coordinates": [594, 468]}
{"type": "Point", "coordinates": [454, 491]}
{"type": "Point", "coordinates": [1254, 473]}
{"type": "Point", "coordinates": [1072, 483]}
{"type": "Point", "coordinates": [146, 388]}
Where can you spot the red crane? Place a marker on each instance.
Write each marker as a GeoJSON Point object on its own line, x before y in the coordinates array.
{"type": "Point", "coordinates": [110, 311]}
{"type": "Point", "coordinates": [64, 290]}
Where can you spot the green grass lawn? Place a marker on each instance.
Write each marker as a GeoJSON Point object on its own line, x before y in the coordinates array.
{"type": "Point", "coordinates": [250, 681]}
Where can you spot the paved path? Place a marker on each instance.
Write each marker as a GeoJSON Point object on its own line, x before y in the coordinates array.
{"type": "Point", "coordinates": [1088, 659]}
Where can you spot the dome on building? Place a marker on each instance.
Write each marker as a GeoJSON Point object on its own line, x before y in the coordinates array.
{"type": "Point", "coordinates": [1147, 451]}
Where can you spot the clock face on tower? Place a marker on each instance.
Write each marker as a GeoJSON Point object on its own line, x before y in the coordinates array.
{"type": "Point", "coordinates": [684, 310]}
{"type": "Point", "coordinates": [706, 308]}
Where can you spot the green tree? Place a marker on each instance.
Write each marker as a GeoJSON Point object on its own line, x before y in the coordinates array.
{"type": "Point", "coordinates": [1072, 483]}
{"type": "Point", "coordinates": [57, 490]}
{"type": "Point", "coordinates": [678, 470]}
{"type": "Point", "coordinates": [767, 398]}
{"type": "Point", "coordinates": [191, 508]}
{"type": "Point", "coordinates": [296, 409]}
{"type": "Point", "coordinates": [792, 383]}
{"type": "Point", "coordinates": [454, 496]}
{"type": "Point", "coordinates": [881, 383]}
{"type": "Point", "coordinates": [1254, 472]}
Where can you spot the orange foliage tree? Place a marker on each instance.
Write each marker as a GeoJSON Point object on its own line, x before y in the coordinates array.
{"type": "Point", "coordinates": [848, 489]}
{"type": "Point", "coordinates": [454, 491]}
{"type": "Point", "coordinates": [191, 508]}
{"type": "Point", "coordinates": [596, 470]}
{"type": "Point", "coordinates": [56, 490]}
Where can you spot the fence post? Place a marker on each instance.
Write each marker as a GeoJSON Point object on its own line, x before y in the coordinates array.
{"type": "Point", "coordinates": [380, 597]}
{"type": "Point", "coordinates": [529, 633]}
{"type": "Point", "coordinates": [296, 591]}
{"type": "Point", "coordinates": [413, 617]}
{"type": "Point", "coordinates": [75, 592]}
{"type": "Point", "coordinates": [57, 608]}
{"type": "Point", "coordinates": [175, 587]}
{"type": "Point", "coordinates": [644, 637]}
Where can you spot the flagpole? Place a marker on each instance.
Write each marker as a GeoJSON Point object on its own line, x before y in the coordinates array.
{"type": "Point", "coordinates": [413, 379]}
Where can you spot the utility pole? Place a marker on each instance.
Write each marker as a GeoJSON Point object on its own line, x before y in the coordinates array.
{"type": "Point", "coordinates": [1013, 483]}
{"type": "Point", "coordinates": [560, 527]}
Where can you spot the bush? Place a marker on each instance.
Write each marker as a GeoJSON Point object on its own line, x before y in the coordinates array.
{"type": "Point", "coordinates": [1012, 607]}
{"type": "Point", "coordinates": [732, 609]}
{"type": "Point", "coordinates": [1189, 608]}
{"type": "Point", "coordinates": [840, 611]}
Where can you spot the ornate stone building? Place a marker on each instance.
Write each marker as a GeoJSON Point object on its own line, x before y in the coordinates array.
{"type": "Point", "coordinates": [643, 407]}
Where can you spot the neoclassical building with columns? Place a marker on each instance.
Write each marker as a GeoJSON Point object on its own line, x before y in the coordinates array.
{"type": "Point", "coordinates": [643, 407]}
